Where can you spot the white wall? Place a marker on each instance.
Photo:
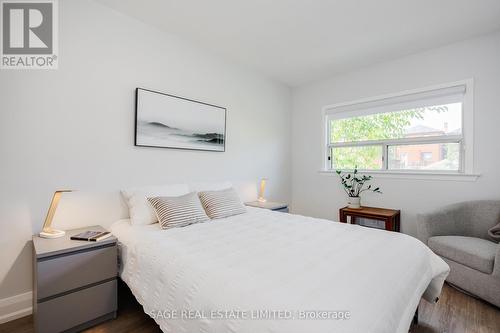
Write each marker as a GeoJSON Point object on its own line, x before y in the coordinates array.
{"type": "Point", "coordinates": [321, 195]}
{"type": "Point", "coordinates": [74, 127]}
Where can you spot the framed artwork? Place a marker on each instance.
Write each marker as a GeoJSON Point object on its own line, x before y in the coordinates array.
{"type": "Point", "coordinates": [167, 121]}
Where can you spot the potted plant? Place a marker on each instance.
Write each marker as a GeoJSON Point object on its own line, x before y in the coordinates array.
{"type": "Point", "coordinates": [354, 184]}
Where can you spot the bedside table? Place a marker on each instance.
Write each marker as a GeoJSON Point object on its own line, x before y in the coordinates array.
{"type": "Point", "coordinates": [274, 206]}
{"type": "Point", "coordinates": [74, 282]}
{"type": "Point", "coordinates": [390, 217]}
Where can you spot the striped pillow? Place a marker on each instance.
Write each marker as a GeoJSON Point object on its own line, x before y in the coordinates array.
{"type": "Point", "coordinates": [174, 212]}
{"type": "Point", "coordinates": [220, 204]}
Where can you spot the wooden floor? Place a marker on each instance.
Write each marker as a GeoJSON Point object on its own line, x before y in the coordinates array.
{"type": "Point", "coordinates": [455, 312]}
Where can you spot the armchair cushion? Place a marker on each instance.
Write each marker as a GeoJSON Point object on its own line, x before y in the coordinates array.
{"type": "Point", "coordinates": [473, 252]}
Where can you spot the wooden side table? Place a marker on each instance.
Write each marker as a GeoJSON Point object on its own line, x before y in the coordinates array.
{"type": "Point", "coordinates": [390, 217]}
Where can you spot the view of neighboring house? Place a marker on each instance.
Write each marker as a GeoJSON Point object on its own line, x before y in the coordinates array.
{"type": "Point", "coordinates": [423, 156]}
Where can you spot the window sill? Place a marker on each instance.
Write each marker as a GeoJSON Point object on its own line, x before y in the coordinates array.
{"type": "Point", "coordinates": [461, 177]}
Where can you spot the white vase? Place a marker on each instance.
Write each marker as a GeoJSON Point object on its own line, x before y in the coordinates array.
{"type": "Point", "coordinates": [354, 202]}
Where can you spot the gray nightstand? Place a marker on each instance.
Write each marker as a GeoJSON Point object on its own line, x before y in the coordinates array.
{"type": "Point", "coordinates": [274, 206]}
{"type": "Point", "coordinates": [74, 282]}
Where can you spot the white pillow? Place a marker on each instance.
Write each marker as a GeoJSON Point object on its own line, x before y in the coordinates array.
{"type": "Point", "coordinates": [140, 210]}
{"type": "Point", "coordinates": [200, 187]}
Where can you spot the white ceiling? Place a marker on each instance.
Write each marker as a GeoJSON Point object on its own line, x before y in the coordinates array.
{"type": "Point", "coordinates": [296, 41]}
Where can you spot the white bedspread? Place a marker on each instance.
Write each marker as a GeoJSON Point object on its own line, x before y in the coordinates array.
{"type": "Point", "coordinates": [285, 264]}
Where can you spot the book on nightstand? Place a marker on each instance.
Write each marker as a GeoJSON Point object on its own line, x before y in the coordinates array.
{"type": "Point", "coordinates": [91, 236]}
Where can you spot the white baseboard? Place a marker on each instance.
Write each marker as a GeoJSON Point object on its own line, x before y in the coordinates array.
{"type": "Point", "coordinates": [15, 307]}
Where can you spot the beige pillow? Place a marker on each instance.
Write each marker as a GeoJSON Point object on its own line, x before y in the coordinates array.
{"type": "Point", "coordinates": [220, 204]}
{"type": "Point", "coordinates": [175, 212]}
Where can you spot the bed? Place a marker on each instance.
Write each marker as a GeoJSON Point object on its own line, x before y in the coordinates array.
{"type": "Point", "coordinates": [265, 271]}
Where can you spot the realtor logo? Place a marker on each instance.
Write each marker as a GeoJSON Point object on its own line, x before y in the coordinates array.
{"type": "Point", "coordinates": [29, 34]}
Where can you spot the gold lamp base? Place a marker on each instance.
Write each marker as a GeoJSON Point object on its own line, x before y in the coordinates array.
{"type": "Point", "coordinates": [52, 233]}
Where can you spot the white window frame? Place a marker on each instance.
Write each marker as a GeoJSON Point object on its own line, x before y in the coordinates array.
{"type": "Point", "coordinates": [360, 107]}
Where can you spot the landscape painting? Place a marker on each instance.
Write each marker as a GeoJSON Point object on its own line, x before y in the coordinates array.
{"type": "Point", "coordinates": [169, 121]}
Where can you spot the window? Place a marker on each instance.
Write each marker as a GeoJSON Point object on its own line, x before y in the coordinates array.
{"type": "Point", "coordinates": [426, 156]}
{"type": "Point", "coordinates": [421, 131]}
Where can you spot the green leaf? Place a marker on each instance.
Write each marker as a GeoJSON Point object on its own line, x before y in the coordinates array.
{"type": "Point", "coordinates": [371, 127]}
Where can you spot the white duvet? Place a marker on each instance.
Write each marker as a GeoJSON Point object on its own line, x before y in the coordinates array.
{"type": "Point", "coordinates": [265, 271]}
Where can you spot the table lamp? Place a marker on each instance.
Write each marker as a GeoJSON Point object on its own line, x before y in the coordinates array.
{"type": "Point", "coordinates": [262, 188]}
{"type": "Point", "coordinates": [47, 231]}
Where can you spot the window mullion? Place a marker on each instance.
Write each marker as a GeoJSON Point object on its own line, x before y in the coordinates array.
{"type": "Point", "coordinates": [403, 141]}
{"type": "Point", "coordinates": [385, 157]}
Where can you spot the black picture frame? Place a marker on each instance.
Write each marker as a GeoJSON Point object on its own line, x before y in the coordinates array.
{"type": "Point", "coordinates": [205, 136]}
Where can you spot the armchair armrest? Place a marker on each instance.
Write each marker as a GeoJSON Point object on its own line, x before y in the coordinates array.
{"type": "Point", "coordinates": [496, 267]}
{"type": "Point", "coordinates": [443, 222]}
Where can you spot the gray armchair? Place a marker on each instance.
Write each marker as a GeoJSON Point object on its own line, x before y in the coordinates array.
{"type": "Point", "coordinates": [459, 234]}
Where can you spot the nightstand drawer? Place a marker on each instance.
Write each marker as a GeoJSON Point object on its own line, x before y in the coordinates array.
{"type": "Point", "coordinates": [75, 270]}
{"type": "Point", "coordinates": [68, 311]}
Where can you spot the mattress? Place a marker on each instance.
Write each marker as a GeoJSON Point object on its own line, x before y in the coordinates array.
{"type": "Point", "coordinates": [265, 271]}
